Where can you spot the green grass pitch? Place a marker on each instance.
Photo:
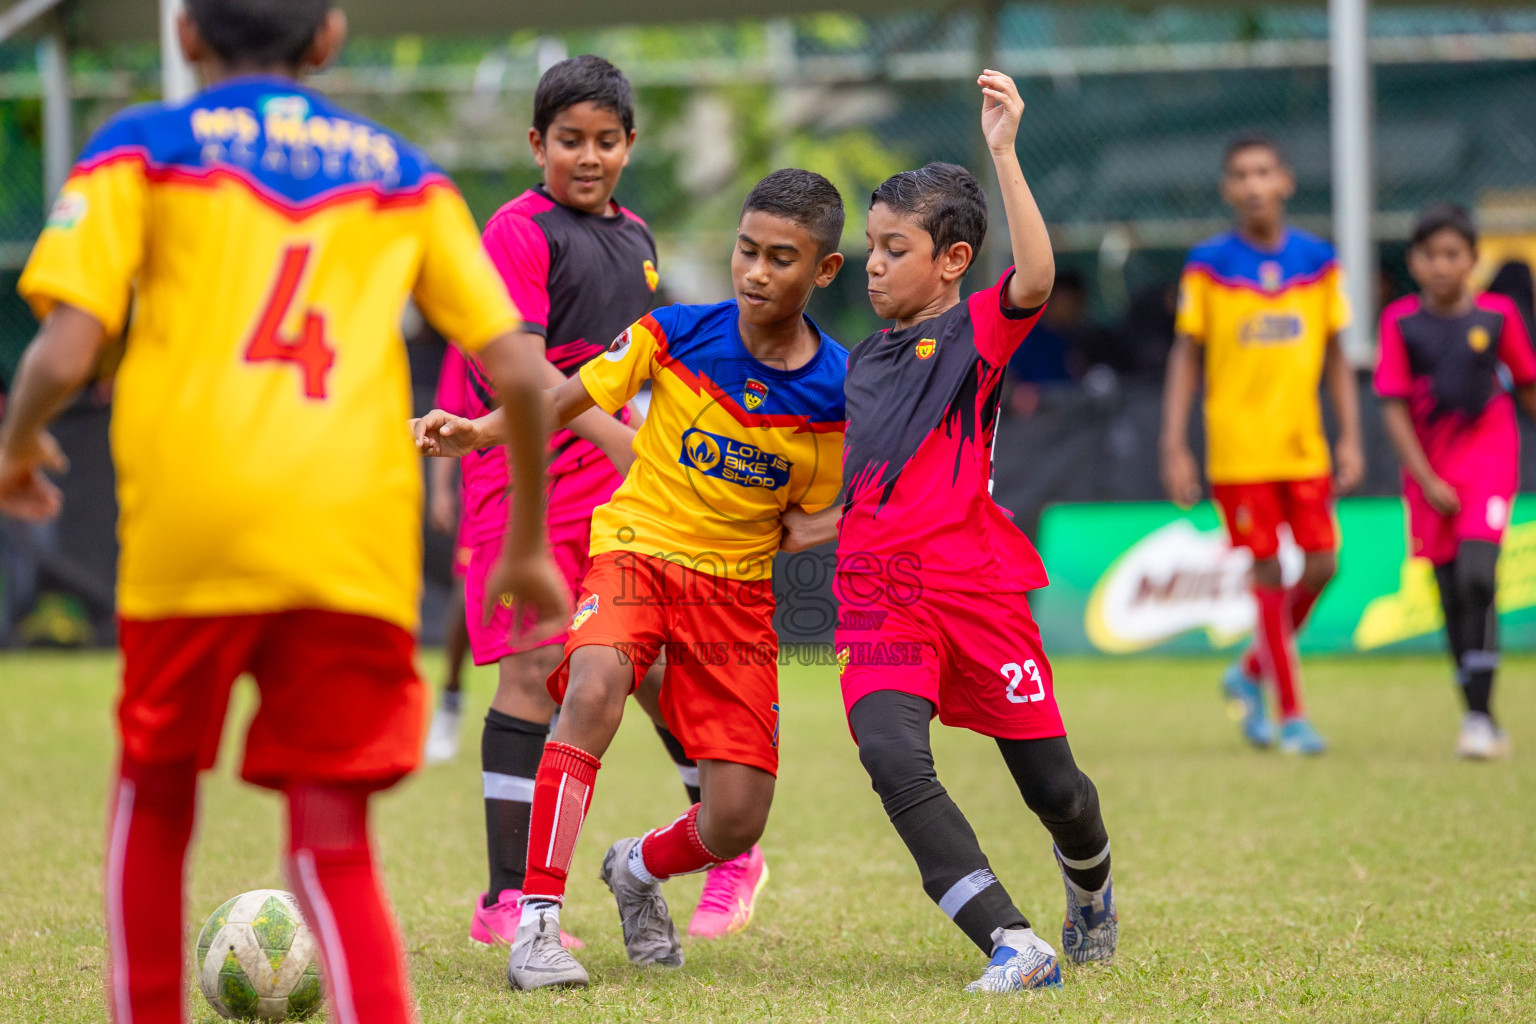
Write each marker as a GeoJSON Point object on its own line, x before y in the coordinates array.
{"type": "Point", "coordinates": [1383, 882]}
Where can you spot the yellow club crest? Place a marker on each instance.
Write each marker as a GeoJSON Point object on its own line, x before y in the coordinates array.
{"type": "Point", "coordinates": [753, 393]}
{"type": "Point", "coordinates": [584, 611]}
{"type": "Point", "coordinates": [843, 657]}
{"type": "Point", "coordinates": [925, 347]}
{"type": "Point", "coordinates": [652, 278]}
{"type": "Point", "coordinates": [1477, 339]}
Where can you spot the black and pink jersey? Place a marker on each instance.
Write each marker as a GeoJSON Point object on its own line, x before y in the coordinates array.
{"type": "Point", "coordinates": [917, 458]}
{"type": "Point", "coordinates": [579, 279]}
{"type": "Point", "coordinates": [1447, 369]}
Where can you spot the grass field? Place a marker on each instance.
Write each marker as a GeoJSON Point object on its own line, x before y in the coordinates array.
{"type": "Point", "coordinates": [1384, 882]}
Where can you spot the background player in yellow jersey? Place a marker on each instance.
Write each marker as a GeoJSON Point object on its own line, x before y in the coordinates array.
{"type": "Point", "coordinates": [269, 240]}
{"type": "Point", "coordinates": [1260, 311]}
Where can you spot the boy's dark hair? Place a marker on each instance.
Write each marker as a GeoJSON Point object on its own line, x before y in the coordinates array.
{"type": "Point", "coordinates": [1437, 217]}
{"type": "Point", "coordinates": [265, 33]}
{"type": "Point", "coordinates": [585, 79]}
{"type": "Point", "coordinates": [1252, 140]}
{"type": "Point", "coordinates": [947, 200]}
{"type": "Point", "coordinates": [804, 197]}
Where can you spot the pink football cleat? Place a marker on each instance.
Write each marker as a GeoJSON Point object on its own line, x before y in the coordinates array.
{"type": "Point", "coordinates": [497, 923]}
{"type": "Point", "coordinates": [729, 896]}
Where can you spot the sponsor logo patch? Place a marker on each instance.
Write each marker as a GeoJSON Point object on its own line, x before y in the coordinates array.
{"type": "Point", "coordinates": [618, 347]}
{"type": "Point", "coordinates": [736, 462]}
{"type": "Point", "coordinates": [67, 210]}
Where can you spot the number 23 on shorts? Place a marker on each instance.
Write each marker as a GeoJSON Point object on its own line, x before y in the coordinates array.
{"type": "Point", "coordinates": [1029, 674]}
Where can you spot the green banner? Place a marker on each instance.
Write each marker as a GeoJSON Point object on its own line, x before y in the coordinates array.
{"type": "Point", "coordinates": [1142, 576]}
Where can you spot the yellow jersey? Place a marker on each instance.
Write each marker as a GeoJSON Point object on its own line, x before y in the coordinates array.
{"type": "Point", "coordinates": [268, 240]}
{"type": "Point", "coordinates": [1264, 319]}
{"type": "Point", "coordinates": [728, 444]}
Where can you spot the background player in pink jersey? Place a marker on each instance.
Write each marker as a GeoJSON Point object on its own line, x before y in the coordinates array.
{"type": "Point", "coordinates": [1451, 420]}
{"type": "Point", "coordinates": [444, 516]}
{"type": "Point", "coordinates": [581, 269]}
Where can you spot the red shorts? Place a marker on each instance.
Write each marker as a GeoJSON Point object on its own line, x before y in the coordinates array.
{"type": "Point", "coordinates": [976, 657]}
{"type": "Point", "coordinates": [1254, 512]}
{"type": "Point", "coordinates": [1484, 515]}
{"type": "Point", "coordinates": [572, 498]}
{"type": "Point", "coordinates": [720, 693]}
{"type": "Point", "coordinates": [340, 698]}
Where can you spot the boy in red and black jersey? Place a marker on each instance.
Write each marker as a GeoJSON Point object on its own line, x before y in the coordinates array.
{"type": "Point", "coordinates": [1451, 420]}
{"type": "Point", "coordinates": [929, 560]}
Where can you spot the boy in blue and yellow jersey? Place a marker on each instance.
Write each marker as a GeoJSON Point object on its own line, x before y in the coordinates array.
{"type": "Point", "coordinates": [1260, 311]}
{"type": "Point", "coordinates": [742, 441]}
{"type": "Point", "coordinates": [269, 240]}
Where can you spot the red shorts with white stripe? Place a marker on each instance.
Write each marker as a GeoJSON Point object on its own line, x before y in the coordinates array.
{"type": "Point", "coordinates": [340, 698]}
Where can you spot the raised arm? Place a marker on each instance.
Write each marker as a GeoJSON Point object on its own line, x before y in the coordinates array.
{"type": "Point", "coordinates": [54, 367]}
{"type": "Point", "coordinates": [1349, 453]}
{"type": "Point", "coordinates": [1034, 265]}
{"type": "Point", "coordinates": [1181, 477]}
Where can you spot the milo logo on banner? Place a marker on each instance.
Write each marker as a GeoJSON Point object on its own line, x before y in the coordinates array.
{"type": "Point", "coordinates": [1146, 576]}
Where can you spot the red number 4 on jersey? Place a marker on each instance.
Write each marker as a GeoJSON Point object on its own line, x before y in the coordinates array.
{"type": "Point", "coordinates": [309, 349]}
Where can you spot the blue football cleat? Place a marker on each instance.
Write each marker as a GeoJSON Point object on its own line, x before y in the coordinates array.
{"type": "Point", "coordinates": [1018, 970]}
{"type": "Point", "coordinates": [1091, 929]}
{"type": "Point", "coordinates": [1246, 699]}
{"type": "Point", "coordinates": [1298, 737]}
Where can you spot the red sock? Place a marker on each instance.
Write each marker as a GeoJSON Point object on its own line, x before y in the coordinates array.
{"type": "Point", "coordinates": [150, 825]}
{"type": "Point", "coordinates": [1277, 651]}
{"type": "Point", "coordinates": [1301, 602]}
{"type": "Point", "coordinates": [562, 793]}
{"type": "Point", "coordinates": [677, 849]}
{"type": "Point", "coordinates": [330, 867]}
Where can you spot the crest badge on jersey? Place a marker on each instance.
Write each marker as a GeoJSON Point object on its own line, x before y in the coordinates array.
{"type": "Point", "coordinates": [618, 347]}
{"type": "Point", "coordinates": [1270, 276]}
{"type": "Point", "coordinates": [925, 347]}
{"type": "Point", "coordinates": [652, 278]}
{"type": "Point", "coordinates": [754, 393]}
{"type": "Point", "coordinates": [1478, 339]}
{"type": "Point", "coordinates": [584, 611]}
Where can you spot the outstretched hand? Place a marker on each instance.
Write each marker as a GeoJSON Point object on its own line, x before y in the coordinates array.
{"type": "Point", "coordinates": [25, 492]}
{"type": "Point", "coordinates": [441, 434]}
{"type": "Point", "coordinates": [1001, 109]}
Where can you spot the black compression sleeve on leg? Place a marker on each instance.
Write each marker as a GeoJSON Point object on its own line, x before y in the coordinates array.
{"type": "Point", "coordinates": [1066, 802]}
{"type": "Point", "coordinates": [686, 766]}
{"type": "Point", "coordinates": [1450, 606]}
{"type": "Point", "coordinates": [510, 751]}
{"type": "Point", "coordinates": [1477, 564]}
{"type": "Point", "coordinates": [892, 731]}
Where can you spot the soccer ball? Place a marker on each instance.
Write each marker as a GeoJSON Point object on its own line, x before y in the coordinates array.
{"type": "Point", "coordinates": [256, 959]}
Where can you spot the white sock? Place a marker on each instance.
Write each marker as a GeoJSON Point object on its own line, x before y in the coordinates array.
{"type": "Point", "coordinates": [533, 908]}
{"type": "Point", "coordinates": [636, 864]}
{"type": "Point", "coordinates": [1020, 939]}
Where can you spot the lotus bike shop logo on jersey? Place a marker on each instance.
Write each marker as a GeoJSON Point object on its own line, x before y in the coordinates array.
{"type": "Point", "coordinates": [753, 393]}
{"type": "Point", "coordinates": [726, 458]}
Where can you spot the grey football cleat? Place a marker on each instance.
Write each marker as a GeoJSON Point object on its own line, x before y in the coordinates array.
{"type": "Point", "coordinates": [539, 961]}
{"type": "Point", "coordinates": [649, 937]}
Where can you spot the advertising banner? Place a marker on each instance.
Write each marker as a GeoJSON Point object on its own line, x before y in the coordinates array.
{"type": "Point", "coordinates": [1134, 577]}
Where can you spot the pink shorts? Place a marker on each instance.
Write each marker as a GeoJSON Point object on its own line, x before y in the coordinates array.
{"type": "Point", "coordinates": [463, 550]}
{"type": "Point", "coordinates": [976, 657]}
{"type": "Point", "coordinates": [1484, 515]}
{"type": "Point", "coordinates": [572, 499]}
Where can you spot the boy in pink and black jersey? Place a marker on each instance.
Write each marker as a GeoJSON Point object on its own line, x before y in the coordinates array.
{"type": "Point", "coordinates": [932, 575]}
{"type": "Point", "coordinates": [581, 269]}
{"type": "Point", "coordinates": [1445, 354]}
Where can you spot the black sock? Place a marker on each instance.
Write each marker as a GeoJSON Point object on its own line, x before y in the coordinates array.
{"type": "Point", "coordinates": [1066, 802]}
{"type": "Point", "coordinates": [1476, 571]}
{"type": "Point", "coordinates": [892, 731]}
{"type": "Point", "coordinates": [1450, 607]}
{"type": "Point", "coordinates": [686, 766]}
{"type": "Point", "coordinates": [510, 751]}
